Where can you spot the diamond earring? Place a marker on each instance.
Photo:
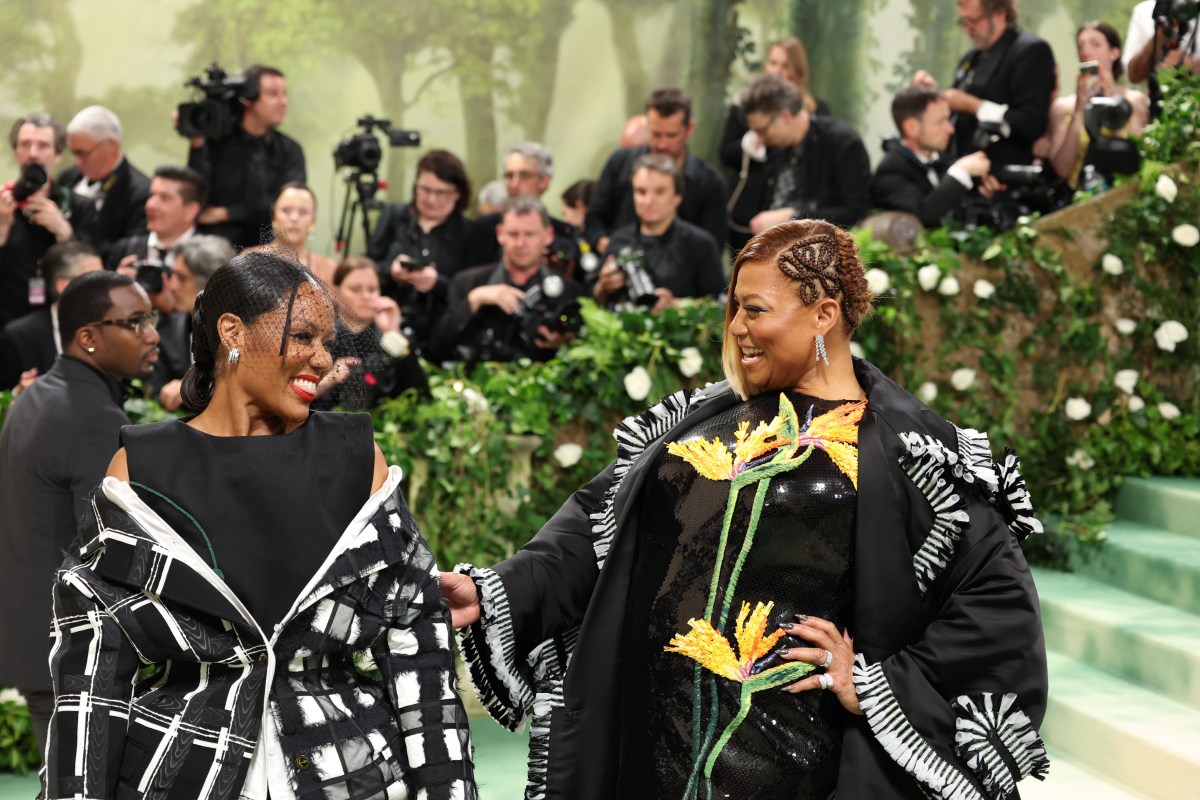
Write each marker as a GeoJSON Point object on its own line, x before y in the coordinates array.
{"type": "Point", "coordinates": [821, 354]}
{"type": "Point", "coordinates": [234, 355]}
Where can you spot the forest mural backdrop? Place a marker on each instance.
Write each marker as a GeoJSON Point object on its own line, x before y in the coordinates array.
{"type": "Point", "coordinates": [476, 75]}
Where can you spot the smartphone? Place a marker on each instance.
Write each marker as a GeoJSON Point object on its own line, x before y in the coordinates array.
{"type": "Point", "coordinates": [1089, 68]}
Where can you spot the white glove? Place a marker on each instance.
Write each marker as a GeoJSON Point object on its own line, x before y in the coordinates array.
{"type": "Point", "coordinates": [753, 147]}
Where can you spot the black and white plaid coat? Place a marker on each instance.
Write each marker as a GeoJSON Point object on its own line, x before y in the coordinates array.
{"type": "Point", "coordinates": [166, 687]}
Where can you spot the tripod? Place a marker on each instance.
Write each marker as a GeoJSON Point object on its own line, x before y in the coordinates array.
{"type": "Point", "coordinates": [360, 196]}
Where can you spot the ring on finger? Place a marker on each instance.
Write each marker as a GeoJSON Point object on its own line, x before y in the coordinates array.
{"type": "Point", "coordinates": [825, 681]}
{"type": "Point", "coordinates": [828, 659]}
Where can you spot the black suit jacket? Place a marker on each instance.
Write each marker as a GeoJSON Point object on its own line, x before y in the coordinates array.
{"type": "Point", "coordinates": [1019, 72]}
{"type": "Point", "coordinates": [900, 183]}
{"type": "Point", "coordinates": [26, 343]}
{"type": "Point", "coordinates": [57, 440]}
{"type": "Point", "coordinates": [123, 212]}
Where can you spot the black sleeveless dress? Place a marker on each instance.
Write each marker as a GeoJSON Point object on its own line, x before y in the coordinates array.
{"type": "Point", "coordinates": [272, 507]}
{"type": "Point", "coordinates": [801, 559]}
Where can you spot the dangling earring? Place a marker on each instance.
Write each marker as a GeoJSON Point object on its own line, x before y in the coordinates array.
{"type": "Point", "coordinates": [234, 355]}
{"type": "Point", "coordinates": [821, 354]}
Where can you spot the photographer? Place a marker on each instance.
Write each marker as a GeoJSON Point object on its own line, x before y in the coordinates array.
{"type": "Point", "coordinates": [176, 197]}
{"type": "Point", "coordinates": [34, 213]}
{"type": "Point", "coordinates": [420, 246]}
{"type": "Point", "coordinates": [1158, 38]}
{"type": "Point", "coordinates": [510, 310]}
{"type": "Point", "coordinates": [246, 169]}
{"type": "Point", "coordinates": [1003, 85]}
{"type": "Point", "coordinates": [911, 176]}
{"type": "Point", "coordinates": [672, 257]}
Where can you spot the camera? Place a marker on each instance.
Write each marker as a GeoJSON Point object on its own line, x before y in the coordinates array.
{"type": "Point", "coordinates": [1108, 154]}
{"type": "Point", "coordinates": [362, 151]}
{"type": "Point", "coordinates": [1031, 189]}
{"type": "Point", "coordinates": [150, 275]}
{"type": "Point", "coordinates": [639, 286]}
{"type": "Point", "coordinates": [512, 337]}
{"type": "Point", "coordinates": [220, 111]}
{"type": "Point", "coordinates": [31, 178]}
{"type": "Point", "coordinates": [1175, 14]}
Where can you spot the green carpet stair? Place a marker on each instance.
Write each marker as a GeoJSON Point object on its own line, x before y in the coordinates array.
{"type": "Point", "coordinates": [1123, 633]}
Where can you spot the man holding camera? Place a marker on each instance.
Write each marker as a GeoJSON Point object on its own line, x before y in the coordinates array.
{"type": "Point", "coordinates": [247, 168]}
{"type": "Point", "coordinates": [911, 177]}
{"type": "Point", "coordinates": [510, 310]}
{"type": "Point", "coordinates": [117, 189]}
{"type": "Point", "coordinates": [34, 213]}
{"type": "Point", "coordinates": [675, 258]}
{"type": "Point", "coordinates": [176, 196]}
{"type": "Point", "coordinates": [1002, 88]}
{"type": "Point", "coordinates": [1159, 39]}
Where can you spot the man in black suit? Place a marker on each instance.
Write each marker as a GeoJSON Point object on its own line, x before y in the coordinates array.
{"type": "Point", "coordinates": [1007, 81]}
{"type": "Point", "coordinates": [52, 213]}
{"type": "Point", "coordinates": [118, 190]}
{"type": "Point", "coordinates": [817, 167]}
{"type": "Point", "coordinates": [57, 440]}
{"type": "Point", "coordinates": [29, 345]}
{"type": "Point", "coordinates": [911, 177]}
{"type": "Point", "coordinates": [669, 118]}
{"type": "Point", "coordinates": [177, 194]}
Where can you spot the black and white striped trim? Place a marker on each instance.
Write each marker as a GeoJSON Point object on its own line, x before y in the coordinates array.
{"type": "Point", "coordinates": [901, 741]}
{"type": "Point", "coordinates": [549, 674]}
{"type": "Point", "coordinates": [984, 727]}
{"type": "Point", "coordinates": [501, 689]}
{"type": "Point", "coordinates": [1014, 501]}
{"type": "Point", "coordinates": [925, 464]}
{"type": "Point", "coordinates": [975, 460]}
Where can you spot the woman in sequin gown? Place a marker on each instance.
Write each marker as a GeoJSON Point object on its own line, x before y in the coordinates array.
{"type": "Point", "coordinates": [800, 583]}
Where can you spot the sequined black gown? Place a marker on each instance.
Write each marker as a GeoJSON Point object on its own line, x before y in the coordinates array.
{"type": "Point", "coordinates": [801, 559]}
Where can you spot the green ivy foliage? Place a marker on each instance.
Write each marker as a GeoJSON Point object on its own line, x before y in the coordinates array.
{"type": "Point", "coordinates": [18, 748]}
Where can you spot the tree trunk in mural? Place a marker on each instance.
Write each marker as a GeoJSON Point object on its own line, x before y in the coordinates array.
{"type": "Point", "coordinates": [43, 55]}
{"type": "Point", "coordinates": [536, 61]}
{"type": "Point", "coordinates": [838, 52]}
{"type": "Point", "coordinates": [938, 46]}
{"type": "Point", "coordinates": [476, 93]}
{"type": "Point", "coordinates": [625, 15]}
{"type": "Point", "coordinates": [714, 46]}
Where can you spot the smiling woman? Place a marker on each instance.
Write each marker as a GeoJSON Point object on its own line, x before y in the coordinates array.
{"type": "Point", "coordinates": [278, 548]}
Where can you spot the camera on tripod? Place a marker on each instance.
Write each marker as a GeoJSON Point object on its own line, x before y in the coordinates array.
{"type": "Point", "coordinates": [362, 151]}
{"type": "Point", "coordinates": [220, 111]}
{"type": "Point", "coordinates": [639, 290]}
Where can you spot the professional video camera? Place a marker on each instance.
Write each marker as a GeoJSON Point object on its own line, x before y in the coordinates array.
{"type": "Point", "coordinates": [362, 151]}
{"type": "Point", "coordinates": [1173, 16]}
{"type": "Point", "coordinates": [1107, 155]}
{"type": "Point", "coordinates": [31, 178]}
{"type": "Point", "coordinates": [1031, 188]}
{"type": "Point", "coordinates": [639, 285]}
{"type": "Point", "coordinates": [545, 305]}
{"type": "Point", "coordinates": [220, 111]}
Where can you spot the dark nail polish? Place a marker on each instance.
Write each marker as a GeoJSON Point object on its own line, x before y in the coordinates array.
{"type": "Point", "coordinates": [802, 617]}
{"type": "Point", "coordinates": [787, 626]}
{"type": "Point", "coordinates": [782, 650]}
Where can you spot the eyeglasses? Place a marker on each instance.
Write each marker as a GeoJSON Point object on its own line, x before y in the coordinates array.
{"type": "Point", "coordinates": [522, 175]}
{"type": "Point", "coordinates": [137, 324]}
{"type": "Point", "coordinates": [82, 154]}
{"type": "Point", "coordinates": [440, 194]}
{"type": "Point", "coordinates": [760, 132]}
{"type": "Point", "coordinates": [971, 22]}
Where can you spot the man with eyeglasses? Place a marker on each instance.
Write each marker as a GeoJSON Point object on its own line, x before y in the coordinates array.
{"type": "Point", "coordinates": [117, 189]}
{"type": "Point", "coordinates": [49, 213]}
{"type": "Point", "coordinates": [1006, 81]}
{"type": "Point", "coordinates": [57, 440]}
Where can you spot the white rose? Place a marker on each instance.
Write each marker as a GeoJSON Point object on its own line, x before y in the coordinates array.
{"type": "Point", "coordinates": [11, 696]}
{"type": "Point", "coordinates": [476, 403]}
{"type": "Point", "coordinates": [1126, 326]}
{"type": "Point", "coordinates": [928, 276]}
{"type": "Point", "coordinates": [568, 454]}
{"type": "Point", "coordinates": [984, 289]}
{"type": "Point", "coordinates": [1125, 380]}
{"type": "Point", "coordinates": [1186, 235]}
{"type": "Point", "coordinates": [927, 391]}
{"type": "Point", "coordinates": [1136, 403]}
{"type": "Point", "coordinates": [1111, 264]}
{"type": "Point", "coordinates": [1168, 410]}
{"type": "Point", "coordinates": [878, 281]}
{"type": "Point", "coordinates": [949, 286]}
{"type": "Point", "coordinates": [637, 384]}
{"type": "Point", "coordinates": [1166, 188]}
{"type": "Point", "coordinates": [690, 361]}
{"type": "Point", "coordinates": [1077, 408]}
{"type": "Point", "coordinates": [962, 378]}
{"type": "Point", "coordinates": [1082, 459]}
{"type": "Point", "coordinates": [1169, 334]}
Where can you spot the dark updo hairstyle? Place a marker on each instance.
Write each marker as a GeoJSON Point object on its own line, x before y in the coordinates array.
{"type": "Point", "coordinates": [820, 259]}
{"type": "Point", "coordinates": [252, 284]}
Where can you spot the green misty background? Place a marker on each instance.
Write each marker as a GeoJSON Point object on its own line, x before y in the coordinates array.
{"type": "Point", "coordinates": [476, 75]}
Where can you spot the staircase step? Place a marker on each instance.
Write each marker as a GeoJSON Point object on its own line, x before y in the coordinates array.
{"type": "Point", "coordinates": [1124, 634]}
{"type": "Point", "coordinates": [1121, 731]}
{"type": "Point", "coordinates": [1070, 780]}
{"type": "Point", "coordinates": [1154, 563]}
{"type": "Point", "coordinates": [1172, 504]}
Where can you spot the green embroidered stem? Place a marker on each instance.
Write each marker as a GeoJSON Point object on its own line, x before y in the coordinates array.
{"type": "Point", "coordinates": [212, 554]}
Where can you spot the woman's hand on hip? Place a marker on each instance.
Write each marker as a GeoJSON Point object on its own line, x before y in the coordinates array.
{"type": "Point", "coordinates": [832, 648]}
{"type": "Point", "coordinates": [462, 598]}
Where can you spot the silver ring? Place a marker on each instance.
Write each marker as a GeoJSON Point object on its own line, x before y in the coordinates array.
{"type": "Point", "coordinates": [825, 680]}
{"type": "Point", "coordinates": [828, 659]}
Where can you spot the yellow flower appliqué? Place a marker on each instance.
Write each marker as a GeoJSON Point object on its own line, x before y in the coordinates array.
{"type": "Point", "coordinates": [705, 644]}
